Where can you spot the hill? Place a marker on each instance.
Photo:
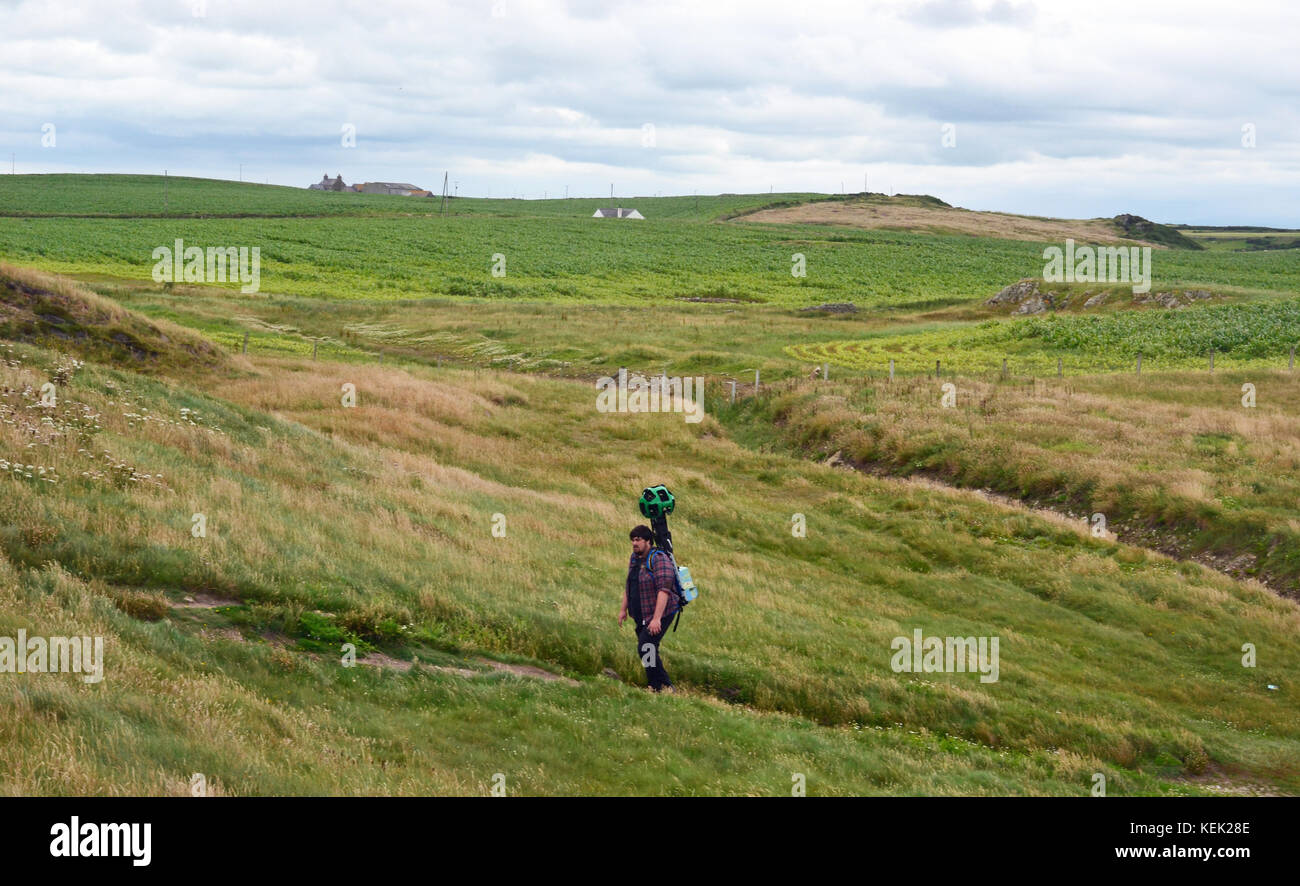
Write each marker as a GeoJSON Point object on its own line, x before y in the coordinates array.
{"type": "Point", "coordinates": [372, 525]}
{"type": "Point", "coordinates": [157, 196]}
{"type": "Point", "coordinates": [931, 215]}
{"type": "Point", "coordinates": [55, 312]}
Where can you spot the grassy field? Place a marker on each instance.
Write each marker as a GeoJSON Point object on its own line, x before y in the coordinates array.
{"type": "Point", "coordinates": [553, 251]}
{"type": "Point", "coordinates": [373, 524]}
{"type": "Point", "coordinates": [328, 524]}
{"type": "Point", "coordinates": [1256, 335]}
{"type": "Point", "coordinates": [1244, 239]}
{"type": "Point", "coordinates": [1172, 459]}
{"type": "Point", "coordinates": [156, 196]}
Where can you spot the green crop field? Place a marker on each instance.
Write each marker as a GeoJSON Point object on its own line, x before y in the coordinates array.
{"type": "Point", "coordinates": [482, 652]}
{"type": "Point", "coordinates": [156, 196]}
{"type": "Point", "coordinates": [553, 251]}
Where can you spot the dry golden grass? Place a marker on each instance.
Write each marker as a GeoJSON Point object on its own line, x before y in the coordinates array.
{"type": "Point", "coordinates": [937, 220]}
{"type": "Point", "coordinates": [1176, 450]}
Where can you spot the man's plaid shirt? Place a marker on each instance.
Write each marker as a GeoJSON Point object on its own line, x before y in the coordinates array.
{"type": "Point", "coordinates": [648, 584]}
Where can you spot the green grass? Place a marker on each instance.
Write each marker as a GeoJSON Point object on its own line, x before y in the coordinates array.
{"type": "Point", "coordinates": [256, 720]}
{"type": "Point", "coordinates": [373, 524]}
{"type": "Point", "coordinates": [1244, 239]}
{"type": "Point", "coordinates": [382, 514]}
{"type": "Point", "coordinates": [555, 252]}
{"type": "Point", "coordinates": [1254, 335]}
{"type": "Point", "coordinates": [156, 196]}
{"type": "Point", "coordinates": [1171, 459]}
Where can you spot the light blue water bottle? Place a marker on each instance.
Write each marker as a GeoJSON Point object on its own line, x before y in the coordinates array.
{"type": "Point", "coordinates": [689, 591]}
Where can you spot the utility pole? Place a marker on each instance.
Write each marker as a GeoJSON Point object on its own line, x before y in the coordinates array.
{"type": "Point", "coordinates": [164, 192]}
{"type": "Point", "coordinates": [241, 172]}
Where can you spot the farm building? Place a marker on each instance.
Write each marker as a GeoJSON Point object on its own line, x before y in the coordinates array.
{"type": "Point", "coordinates": [617, 213]}
{"type": "Point", "coordinates": [329, 184]}
{"type": "Point", "coordinates": [401, 189]}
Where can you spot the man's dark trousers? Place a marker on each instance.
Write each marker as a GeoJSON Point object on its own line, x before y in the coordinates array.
{"type": "Point", "coordinates": [647, 650]}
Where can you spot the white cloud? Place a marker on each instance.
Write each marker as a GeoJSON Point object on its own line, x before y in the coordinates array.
{"type": "Point", "coordinates": [1060, 108]}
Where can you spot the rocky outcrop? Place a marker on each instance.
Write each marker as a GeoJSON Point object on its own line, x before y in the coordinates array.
{"type": "Point", "coordinates": [1026, 296]}
{"type": "Point", "coordinates": [1015, 293]}
{"type": "Point", "coordinates": [1172, 299]}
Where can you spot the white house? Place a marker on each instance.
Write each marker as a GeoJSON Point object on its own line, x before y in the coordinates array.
{"type": "Point", "coordinates": [617, 213]}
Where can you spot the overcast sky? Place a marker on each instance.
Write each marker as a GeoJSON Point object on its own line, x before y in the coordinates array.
{"type": "Point", "coordinates": [1074, 109]}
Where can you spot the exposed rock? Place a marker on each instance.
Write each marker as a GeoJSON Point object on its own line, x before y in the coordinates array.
{"type": "Point", "coordinates": [1098, 299]}
{"type": "Point", "coordinates": [1015, 293]}
{"type": "Point", "coordinates": [1172, 299]}
{"type": "Point", "coordinates": [1138, 228]}
{"type": "Point", "coordinates": [1027, 298]}
{"type": "Point", "coordinates": [1036, 305]}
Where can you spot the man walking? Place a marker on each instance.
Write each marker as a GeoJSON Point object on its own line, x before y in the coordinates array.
{"type": "Point", "coordinates": [650, 598]}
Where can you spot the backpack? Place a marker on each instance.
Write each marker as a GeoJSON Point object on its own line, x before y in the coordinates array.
{"type": "Point", "coordinates": [683, 585]}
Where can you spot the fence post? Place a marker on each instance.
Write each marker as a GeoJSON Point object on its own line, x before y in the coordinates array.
{"type": "Point", "coordinates": [1058, 367]}
{"type": "Point", "coordinates": [1004, 367]}
{"type": "Point", "coordinates": [755, 382]}
{"type": "Point", "coordinates": [245, 342]}
{"type": "Point", "coordinates": [826, 370]}
{"type": "Point", "coordinates": [733, 390]}
{"type": "Point", "coordinates": [313, 348]}
{"type": "Point", "coordinates": [936, 368]}
{"type": "Point", "coordinates": [1291, 363]}
{"type": "Point", "coordinates": [891, 370]}
{"type": "Point", "coordinates": [1211, 359]}
{"type": "Point", "coordinates": [1139, 362]}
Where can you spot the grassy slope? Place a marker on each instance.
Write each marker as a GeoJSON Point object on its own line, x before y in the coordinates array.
{"type": "Point", "coordinates": [375, 593]}
{"type": "Point", "coordinates": [380, 517]}
{"type": "Point", "coordinates": [1170, 456]}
